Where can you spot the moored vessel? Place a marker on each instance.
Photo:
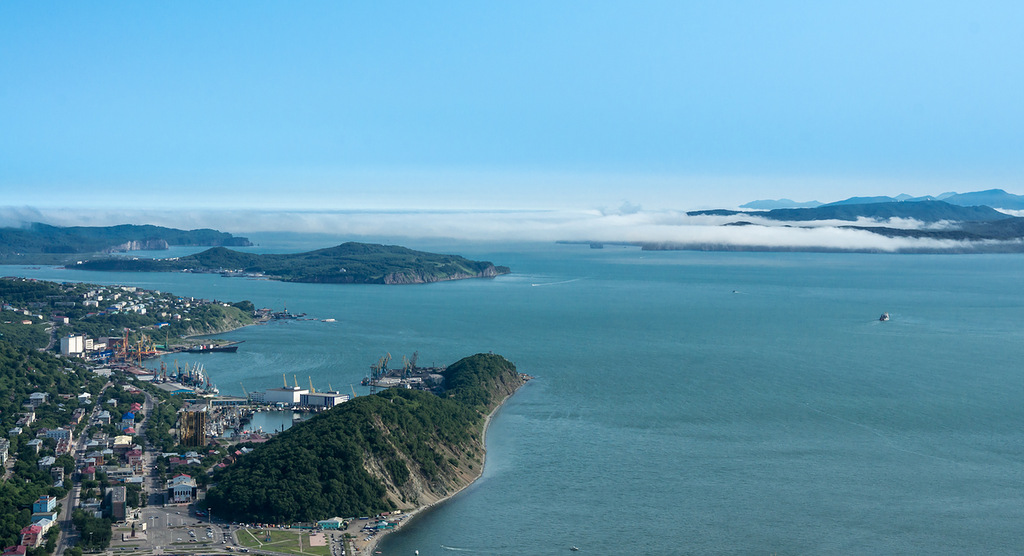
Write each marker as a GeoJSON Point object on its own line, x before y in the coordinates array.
{"type": "Point", "coordinates": [214, 348]}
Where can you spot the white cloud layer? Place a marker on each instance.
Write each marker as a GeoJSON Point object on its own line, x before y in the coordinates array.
{"type": "Point", "coordinates": [628, 224]}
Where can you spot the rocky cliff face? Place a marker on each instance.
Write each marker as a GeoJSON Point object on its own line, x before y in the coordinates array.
{"type": "Point", "coordinates": [463, 461]}
{"type": "Point", "coordinates": [147, 245]}
{"type": "Point", "coordinates": [420, 278]}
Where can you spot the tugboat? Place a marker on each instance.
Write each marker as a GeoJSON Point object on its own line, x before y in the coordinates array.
{"type": "Point", "coordinates": [884, 317]}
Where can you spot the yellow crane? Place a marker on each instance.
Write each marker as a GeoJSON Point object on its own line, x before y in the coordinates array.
{"type": "Point", "coordinates": [243, 390]}
{"type": "Point", "coordinates": [311, 389]}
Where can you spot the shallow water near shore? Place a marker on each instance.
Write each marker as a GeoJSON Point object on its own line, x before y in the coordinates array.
{"type": "Point", "coordinates": [689, 402]}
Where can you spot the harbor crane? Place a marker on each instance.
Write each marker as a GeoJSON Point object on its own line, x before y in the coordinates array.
{"type": "Point", "coordinates": [377, 371]}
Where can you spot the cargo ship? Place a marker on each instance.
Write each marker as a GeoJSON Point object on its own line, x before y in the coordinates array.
{"type": "Point", "coordinates": [214, 348]}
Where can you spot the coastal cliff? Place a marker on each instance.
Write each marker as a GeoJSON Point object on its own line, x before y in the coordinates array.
{"type": "Point", "coordinates": [489, 271]}
{"type": "Point", "coordinates": [37, 243]}
{"type": "Point", "coordinates": [399, 449]}
{"type": "Point", "coordinates": [135, 245]}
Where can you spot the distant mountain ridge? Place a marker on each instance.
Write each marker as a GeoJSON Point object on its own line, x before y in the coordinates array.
{"type": "Point", "coordinates": [942, 227]}
{"type": "Point", "coordinates": [37, 243]}
{"type": "Point", "coordinates": [924, 211]}
{"type": "Point", "coordinates": [995, 198]}
{"type": "Point", "coordinates": [769, 204]}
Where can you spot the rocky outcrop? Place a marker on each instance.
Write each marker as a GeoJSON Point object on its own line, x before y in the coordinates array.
{"type": "Point", "coordinates": [406, 277]}
{"type": "Point", "coordinates": [146, 245]}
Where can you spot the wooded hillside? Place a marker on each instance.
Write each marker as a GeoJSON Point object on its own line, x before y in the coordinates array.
{"type": "Point", "coordinates": [396, 449]}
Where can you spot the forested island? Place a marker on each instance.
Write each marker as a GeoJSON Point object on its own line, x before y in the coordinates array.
{"type": "Point", "coordinates": [398, 449]}
{"type": "Point", "coordinates": [348, 263]}
{"type": "Point", "coordinates": [36, 243]}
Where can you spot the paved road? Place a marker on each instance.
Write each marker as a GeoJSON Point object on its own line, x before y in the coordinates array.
{"type": "Point", "coordinates": [68, 536]}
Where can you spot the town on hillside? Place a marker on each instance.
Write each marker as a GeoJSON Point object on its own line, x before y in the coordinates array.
{"type": "Point", "coordinates": [117, 456]}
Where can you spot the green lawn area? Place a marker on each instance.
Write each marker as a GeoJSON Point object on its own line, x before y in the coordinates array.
{"type": "Point", "coordinates": [280, 541]}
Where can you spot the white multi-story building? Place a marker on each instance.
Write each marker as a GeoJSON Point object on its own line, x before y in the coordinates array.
{"type": "Point", "coordinates": [72, 345]}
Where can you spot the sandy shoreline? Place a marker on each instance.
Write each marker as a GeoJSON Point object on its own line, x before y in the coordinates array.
{"type": "Point", "coordinates": [371, 545]}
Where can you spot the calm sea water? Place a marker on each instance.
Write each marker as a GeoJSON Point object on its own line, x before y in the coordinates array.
{"type": "Point", "coordinates": [690, 403]}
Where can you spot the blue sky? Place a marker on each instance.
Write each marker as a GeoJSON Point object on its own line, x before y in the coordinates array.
{"type": "Point", "coordinates": [504, 105]}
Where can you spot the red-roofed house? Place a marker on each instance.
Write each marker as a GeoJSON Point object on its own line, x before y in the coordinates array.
{"type": "Point", "coordinates": [18, 550]}
{"type": "Point", "coordinates": [31, 536]}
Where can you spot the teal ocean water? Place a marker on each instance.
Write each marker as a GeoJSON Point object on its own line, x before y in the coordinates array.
{"type": "Point", "coordinates": [688, 402]}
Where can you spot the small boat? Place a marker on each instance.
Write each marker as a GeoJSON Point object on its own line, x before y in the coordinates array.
{"type": "Point", "coordinates": [884, 317]}
{"type": "Point", "coordinates": [574, 548]}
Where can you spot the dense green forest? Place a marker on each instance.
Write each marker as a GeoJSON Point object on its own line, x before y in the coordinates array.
{"type": "Point", "coordinates": [35, 335]}
{"type": "Point", "coordinates": [37, 243]}
{"type": "Point", "coordinates": [370, 454]}
{"type": "Point", "coordinates": [22, 372]}
{"type": "Point", "coordinates": [95, 532]}
{"type": "Point", "coordinates": [349, 263]}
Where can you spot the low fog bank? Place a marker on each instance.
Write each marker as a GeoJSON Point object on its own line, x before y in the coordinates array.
{"type": "Point", "coordinates": [628, 224]}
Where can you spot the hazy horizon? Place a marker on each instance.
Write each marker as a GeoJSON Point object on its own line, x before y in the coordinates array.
{"type": "Point", "coordinates": [628, 223]}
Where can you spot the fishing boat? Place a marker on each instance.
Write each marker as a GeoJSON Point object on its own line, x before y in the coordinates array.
{"type": "Point", "coordinates": [884, 317]}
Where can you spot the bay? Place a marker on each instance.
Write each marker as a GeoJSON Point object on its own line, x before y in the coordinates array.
{"type": "Point", "coordinates": [687, 402]}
